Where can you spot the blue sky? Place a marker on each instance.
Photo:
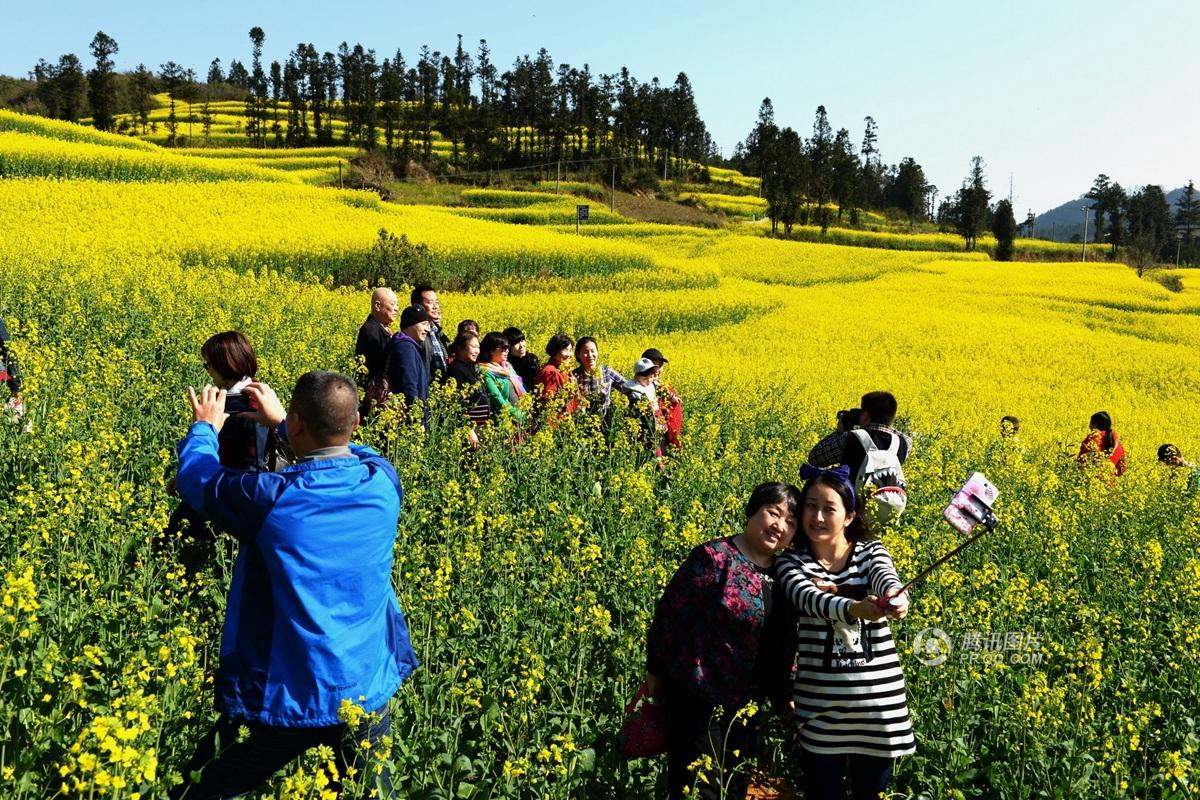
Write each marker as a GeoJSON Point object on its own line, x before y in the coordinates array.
{"type": "Point", "coordinates": [1051, 93]}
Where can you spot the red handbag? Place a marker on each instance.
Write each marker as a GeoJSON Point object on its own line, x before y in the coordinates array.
{"type": "Point", "coordinates": [645, 730]}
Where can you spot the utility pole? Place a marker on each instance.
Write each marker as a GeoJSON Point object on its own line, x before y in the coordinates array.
{"type": "Point", "coordinates": [612, 195]}
{"type": "Point", "coordinates": [557, 176]}
{"type": "Point", "coordinates": [1085, 221]}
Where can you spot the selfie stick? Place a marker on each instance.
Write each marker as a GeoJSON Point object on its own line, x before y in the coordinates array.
{"type": "Point", "coordinates": [985, 518]}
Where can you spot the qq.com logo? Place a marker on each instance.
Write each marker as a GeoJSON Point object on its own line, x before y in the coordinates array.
{"type": "Point", "coordinates": [932, 647]}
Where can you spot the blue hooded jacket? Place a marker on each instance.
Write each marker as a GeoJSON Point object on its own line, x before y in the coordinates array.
{"type": "Point", "coordinates": [407, 373]}
{"type": "Point", "coordinates": [312, 618]}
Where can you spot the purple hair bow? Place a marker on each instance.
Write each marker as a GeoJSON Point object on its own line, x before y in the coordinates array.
{"type": "Point", "coordinates": [840, 473]}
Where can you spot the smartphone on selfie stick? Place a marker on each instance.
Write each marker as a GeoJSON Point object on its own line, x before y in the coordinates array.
{"type": "Point", "coordinates": [970, 508]}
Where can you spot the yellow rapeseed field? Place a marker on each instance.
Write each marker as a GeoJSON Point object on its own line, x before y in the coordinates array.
{"type": "Point", "coordinates": [528, 571]}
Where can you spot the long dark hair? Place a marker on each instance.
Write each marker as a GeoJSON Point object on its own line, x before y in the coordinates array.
{"type": "Point", "coordinates": [1102, 422]}
{"type": "Point", "coordinates": [857, 531]}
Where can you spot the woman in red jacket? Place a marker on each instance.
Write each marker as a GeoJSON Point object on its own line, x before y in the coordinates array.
{"type": "Point", "coordinates": [1102, 443]}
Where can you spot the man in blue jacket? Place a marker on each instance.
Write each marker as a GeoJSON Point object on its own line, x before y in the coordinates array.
{"type": "Point", "coordinates": [312, 620]}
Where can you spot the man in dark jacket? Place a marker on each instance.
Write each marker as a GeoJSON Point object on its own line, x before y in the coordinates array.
{"type": "Point", "coordinates": [436, 345]}
{"type": "Point", "coordinates": [407, 373]}
{"type": "Point", "coordinates": [312, 623]}
{"type": "Point", "coordinates": [374, 334]}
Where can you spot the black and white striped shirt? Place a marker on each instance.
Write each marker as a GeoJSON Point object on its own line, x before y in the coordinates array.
{"type": "Point", "coordinates": [849, 689]}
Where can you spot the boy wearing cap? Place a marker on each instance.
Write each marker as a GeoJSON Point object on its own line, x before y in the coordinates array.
{"type": "Point", "coordinates": [644, 405]}
{"type": "Point", "coordinates": [407, 373]}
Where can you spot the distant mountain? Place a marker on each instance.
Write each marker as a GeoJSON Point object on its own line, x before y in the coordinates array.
{"type": "Point", "coordinates": [1065, 221]}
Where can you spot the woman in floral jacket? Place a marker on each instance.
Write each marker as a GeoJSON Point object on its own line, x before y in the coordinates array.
{"type": "Point", "coordinates": [722, 637]}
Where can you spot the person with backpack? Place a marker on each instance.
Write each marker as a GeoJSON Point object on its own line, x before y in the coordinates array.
{"type": "Point", "coordinates": [1101, 444]}
{"type": "Point", "coordinates": [874, 452]}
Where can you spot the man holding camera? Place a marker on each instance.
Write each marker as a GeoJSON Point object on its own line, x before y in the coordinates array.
{"type": "Point", "coordinates": [312, 620]}
{"type": "Point", "coordinates": [875, 417]}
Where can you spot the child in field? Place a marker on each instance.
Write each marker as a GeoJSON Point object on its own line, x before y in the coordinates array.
{"type": "Point", "coordinates": [669, 402]}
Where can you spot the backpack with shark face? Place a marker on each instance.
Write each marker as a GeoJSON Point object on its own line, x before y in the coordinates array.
{"type": "Point", "coordinates": [880, 480]}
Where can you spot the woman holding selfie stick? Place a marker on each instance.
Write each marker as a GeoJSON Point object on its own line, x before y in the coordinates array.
{"type": "Point", "coordinates": [851, 712]}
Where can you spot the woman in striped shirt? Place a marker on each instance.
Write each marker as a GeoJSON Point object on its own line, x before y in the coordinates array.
{"type": "Point", "coordinates": [851, 711]}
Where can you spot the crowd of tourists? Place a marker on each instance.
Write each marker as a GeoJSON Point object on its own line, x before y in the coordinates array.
{"type": "Point", "coordinates": [493, 371]}
{"type": "Point", "coordinates": [793, 610]}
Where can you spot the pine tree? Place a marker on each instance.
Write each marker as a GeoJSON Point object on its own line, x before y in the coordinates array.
{"type": "Point", "coordinates": [172, 75]}
{"type": "Point", "coordinates": [907, 189]}
{"type": "Point", "coordinates": [143, 95]}
{"type": "Point", "coordinates": [102, 86]}
{"type": "Point", "coordinates": [1004, 228]}
{"type": "Point", "coordinates": [276, 95]}
{"type": "Point", "coordinates": [256, 92]}
{"type": "Point", "coordinates": [820, 158]}
{"type": "Point", "coordinates": [872, 170]}
{"type": "Point", "coordinates": [845, 175]}
{"type": "Point", "coordinates": [971, 204]}
{"type": "Point", "coordinates": [1187, 219]}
